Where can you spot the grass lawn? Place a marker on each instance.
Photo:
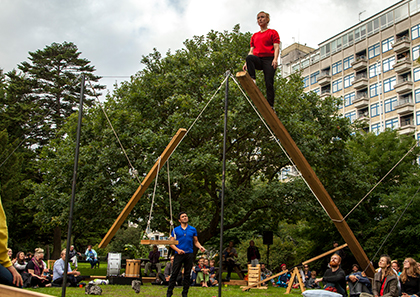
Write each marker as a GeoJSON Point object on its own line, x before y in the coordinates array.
{"type": "Point", "coordinates": [159, 291]}
{"type": "Point", "coordinates": [150, 291]}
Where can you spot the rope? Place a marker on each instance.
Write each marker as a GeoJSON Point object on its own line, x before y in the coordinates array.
{"type": "Point", "coordinates": [279, 144]}
{"type": "Point", "coordinates": [171, 227]}
{"type": "Point", "coordinates": [380, 181]}
{"type": "Point", "coordinates": [153, 196]}
{"type": "Point", "coordinates": [133, 170]}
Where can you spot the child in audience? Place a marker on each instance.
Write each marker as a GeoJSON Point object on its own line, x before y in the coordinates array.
{"type": "Point", "coordinates": [311, 281]}
{"type": "Point", "coordinates": [202, 273]}
{"type": "Point", "coordinates": [212, 273]}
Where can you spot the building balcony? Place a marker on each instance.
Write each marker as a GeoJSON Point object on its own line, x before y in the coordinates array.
{"type": "Point", "coordinates": [407, 128]}
{"type": "Point", "coordinates": [404, 87]}
{"type": "Point", "coordinates": [402, 66]}
{"type": "Point", "coordinates": [325, 93]}
{"type": "Point", "coordinates": [360, 82]}
{"type": "Point", "coordinates": [361, 100]}
{"type": "Point", "coordinates": [401, 45]}
{"type": "Point", "coordinates": [360, 63]}
{"type": "Point", "coordinates": [324, 80]}
{"type": "Point", "coordinates": [405, 106]}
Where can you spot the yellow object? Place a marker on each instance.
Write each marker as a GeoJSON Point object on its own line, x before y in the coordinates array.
{"type": "Point", "coordinates": [4, 258]}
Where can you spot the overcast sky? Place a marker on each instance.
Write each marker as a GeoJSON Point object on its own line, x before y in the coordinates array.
{"type": "Point", "coordinates": [115, 34]}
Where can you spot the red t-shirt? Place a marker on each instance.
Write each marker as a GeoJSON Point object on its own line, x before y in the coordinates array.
{"type": "Point", "coordinates": [381, 293]}
{"type": "Point", "coordinates": [263, 43]}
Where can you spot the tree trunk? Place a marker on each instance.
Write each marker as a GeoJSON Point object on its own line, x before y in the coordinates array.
{"type": "Point", "coordinates": [57, 243]}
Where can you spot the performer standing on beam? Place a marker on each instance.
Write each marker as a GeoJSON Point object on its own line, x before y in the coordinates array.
{"type": "Point", "coordinates": [264, 53]}
{"type": "Point", "coordinates": [184, 253]}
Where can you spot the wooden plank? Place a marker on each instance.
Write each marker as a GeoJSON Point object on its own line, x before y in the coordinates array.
{"type": "Point", "coordinates": [235, 282]}
{"type": "Point", "coordinates": [291, 280]}
{"type": "Point", "coordinates": [324, 254]}
{"type": "Point", "coordinates": [260, 288]}
{"type": "Point", "coordinates": [263, 281]}
{"type": "Point", "coordinates": [158, 242]}
{"type": "Point", "coordinates": [142, 188]}
{"type": "Point", "coordinates": [7, 291]}
{"type": "Point", "coordinates": [306, 170]}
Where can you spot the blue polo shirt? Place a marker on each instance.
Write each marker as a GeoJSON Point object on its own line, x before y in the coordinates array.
{"type": "Point", "coordinates": [185, 238]}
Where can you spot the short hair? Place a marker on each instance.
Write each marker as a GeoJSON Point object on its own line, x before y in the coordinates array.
{"type": "Point", "coordinates": [180, 214]}
{"type": "Point", "coordinates": [355, 265]}
{"type": "Point", "coordinates": [266, 14]}
{"type": "Point", "coordinates": [63, 251]}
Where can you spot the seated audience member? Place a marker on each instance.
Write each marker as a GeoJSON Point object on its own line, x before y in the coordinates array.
{"type": "Point", "coordinates": [73, 255]}
{"type": "Point", "coordinates": [385, 281]}
{"type": "Point", "coordinates": [28, 257]}
{"type": "Point", "coordinates": [35, 268]}
{"type": "Point", "coordinates": [253, 254]}
{"type": "Point", "coordinates": [410, 278]}
{"type": "Point", "coordinates": [357, 282]}
{"type": "Point", "coordinates": [167, 274]}
{"type": "Point", "coordinates": [73, 277]}
{"type": "Point", "coordinates": [229, 254]}
{"type": "Point", "coordinates": [10, 254]}
{"type": "Point", "coordinates": [91, 256]}
{"type": "Point", "coordinates": [265, 273]}
{"type": "Point", "coordinates": [202, 273]}
{"type": "Point", "coordinates": [396, 267]}
{"type": "Point", "coordinates": [193, 275]}
{"type": "Point", "coordinates": [310, 283]}
{"type": "Point", "coordinates": [20, 263]}
{"type": "Point", "coordinates": [154, 256]}
{"type": "Point", "coordinates": [306, 273]}
{"type": "Point", "coordinates": [284, 279]}
{"type": "Point", "coordinates": [334, 278]}
{"type": "Point", "coordinates": [212, 273]}
{"type": "Point", "coordinates": [8, 274]}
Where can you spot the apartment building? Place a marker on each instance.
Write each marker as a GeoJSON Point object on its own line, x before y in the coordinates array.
{"type": "Point", "coordinates": [372, 66]}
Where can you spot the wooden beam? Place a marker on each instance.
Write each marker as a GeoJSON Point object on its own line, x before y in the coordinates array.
{"type": "Point", "coordinates": [324, 254]}
{"type": "Point", "coordinates": [265, 280]}
{"type": "Point", "coordinates": [142, 188]}
{"type": "Point", "coordinates": [7, 291]}
{"type": "Point", "coordinates": [305, 169]}
{"type": "Point", "coordinates": [159, 242]}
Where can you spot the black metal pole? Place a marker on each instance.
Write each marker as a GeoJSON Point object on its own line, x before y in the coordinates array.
{"type": "Point", "coordinates": [268, 256]}
{"type": "Point", "coordinates": [227, 74]}
{"type": "Point", "coordinates": [73, 189]}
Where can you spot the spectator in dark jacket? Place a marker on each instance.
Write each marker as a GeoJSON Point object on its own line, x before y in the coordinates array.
{"type": "Point", "coordinates": [154, 260]}
{"type": "Point", "coordinates": [253, 254]}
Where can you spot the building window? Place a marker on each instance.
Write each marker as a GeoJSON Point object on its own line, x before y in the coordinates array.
{"type": "Point", "coordinates": [306, 81]}
{"type": "Point", "coordinates": [415, 32]}
{"type": "Point", "coordinates": [337, 85]}
{"type": "Point", "coordinates": [348, 99]}
{"type": "Point", "coordinates": [375, 90]}
{"type": "Point", "coordinates": [388, 63]}
{"type": "Point", "coordinates": [316, 91]}
{"type": "Point", "coordinates": [416, 52]}
{"type": "Point", "coordinates": [375, 128]}
{"type": "Point", "coordinates": [314, 77]}
{"type": "Point", "coordinates": [418, 118]}
{"type": "Point", "coordinates": [387, 44]}
{"type": "Point", "coordinates": [390, 104]}
{"type": "Point", "coordinates": [417, 95]}
{"type": "Point", "coordinates": [347, 62]}
{"type": "Point", "coordinates": [348, 80]}
{"type": "Point", "coordinates": [389, 84]}
{"type": "Point", "coordinates": [391, 124]}
{"type": "Point", "coordinates": [374, 51]}
{"type": "Point", "coordinates": [336, 68]}
{"type": "Point", "coordinates": [416, 73]}
{"type": "Point", "coordinates": [373, 71]}
{"type": "Point", "coordinates": [375, 110]}
{"type": "Point", "coordinates": [351, 116]}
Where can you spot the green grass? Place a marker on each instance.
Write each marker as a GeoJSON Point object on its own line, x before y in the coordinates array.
{"type": "Point", "coordinates": [159, 291]}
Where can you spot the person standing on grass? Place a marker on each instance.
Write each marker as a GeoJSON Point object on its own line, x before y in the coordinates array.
{"type": "Point", "coordinates": [184, 253]}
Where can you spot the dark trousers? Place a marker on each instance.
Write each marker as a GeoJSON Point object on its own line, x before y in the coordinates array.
{"type": "Point", "coordinates": [187, 260]}
{"type": "Point", "coordinates": [264, 64]}
{"type": "Point", "coordinates": [73, 280]}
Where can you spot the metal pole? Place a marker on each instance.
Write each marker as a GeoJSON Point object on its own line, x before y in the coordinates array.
{"type": "Point", "coordinates": [223, 184]}
{"type": "Point", "coordinates": [268, 256]}
{"type": "Point", "coordinates": [73, 189]}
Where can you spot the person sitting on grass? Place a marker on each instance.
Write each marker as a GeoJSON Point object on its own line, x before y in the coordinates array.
{"type": "Point", "coordinates": [73, 277]}
{"type": "Point", "coordinates": [91, 256]}
{"type": "Point", "coordinates": [20, 263]}
{"type": "Point", "coordinates": [35, 268]}
{"type": "Point", "coordinates": [212, 273]}
{"type": "Point", "coordinates": [202, 273]}
{"type": "Point", "coordinates": [334, 278]}
{"type": "Point", "coordinates": [284, 279]}
{"type": "Point", "coordinates": [310, 283]}
{"type": "Point", "coordinates": [385, 281]}
{"type": "Point", "coordinates": [265, 273]}
{"type": "Point", "coordinates": [357, 282]}
{"type": "Point", "coordinates": [410, 279]}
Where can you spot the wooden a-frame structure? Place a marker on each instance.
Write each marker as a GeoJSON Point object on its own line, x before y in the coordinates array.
{"type": "Point", "coordinates": [291, 148]}
{"type": "Point", "coordinates": [306, 170]}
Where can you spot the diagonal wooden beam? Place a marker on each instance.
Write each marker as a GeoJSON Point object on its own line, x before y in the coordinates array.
{"type": "Point", "coordinates": [142, 188]}
{"type": "Point", "coordinates": [305, 169]}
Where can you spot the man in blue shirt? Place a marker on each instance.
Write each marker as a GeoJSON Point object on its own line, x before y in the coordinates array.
{"type": "Point", "coordinates": [73, 277]}
{"type": "Point", "coordinates": [184, 253]}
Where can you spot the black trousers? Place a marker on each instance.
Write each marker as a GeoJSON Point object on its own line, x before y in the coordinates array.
{"type": "Point", "coordinates": [179, 260]}
{"type": "Point", "coordinates": [264, 64]}
{"type": "Point", "coordinates": [73, 280]}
